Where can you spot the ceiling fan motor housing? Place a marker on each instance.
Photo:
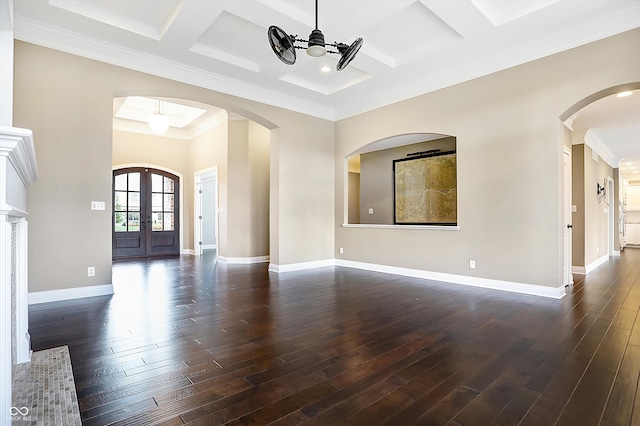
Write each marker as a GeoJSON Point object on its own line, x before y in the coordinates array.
{"type": "Point", "coordinates": [316, 46]}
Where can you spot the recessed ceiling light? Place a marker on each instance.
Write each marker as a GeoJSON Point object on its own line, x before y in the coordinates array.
{"type": "Point", "coordinates": [623, 94]}
{"type": "Point", "coordinates": [325, 69]}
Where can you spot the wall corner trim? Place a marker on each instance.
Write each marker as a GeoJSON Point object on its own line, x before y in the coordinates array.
{"type": "Point", "coordinates": [69, 293]}
{"type": "Point", "coordinates": [514, 287]}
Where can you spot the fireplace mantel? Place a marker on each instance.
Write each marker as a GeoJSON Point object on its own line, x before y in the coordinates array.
{"type": "Point", "coordinates": [18, 170]}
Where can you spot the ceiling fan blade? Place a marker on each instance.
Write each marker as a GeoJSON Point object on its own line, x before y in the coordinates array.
{"type": "Point", "coordinates": [348, 53]}
{"type": "Point", "coordinates": [282, 44]}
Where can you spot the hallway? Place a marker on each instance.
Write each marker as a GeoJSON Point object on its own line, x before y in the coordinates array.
{"type": "Point", "coordinates": [186, 340]}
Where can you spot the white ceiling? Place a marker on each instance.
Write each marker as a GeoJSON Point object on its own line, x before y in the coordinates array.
{"type": "Point", "coordinates": [410, 46]}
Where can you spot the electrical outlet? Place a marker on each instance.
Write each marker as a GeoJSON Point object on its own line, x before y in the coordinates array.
{"type": "Point", "coordinates": [341, 250]}
{"type": "Point", "coordinates": [370, 210]}
{"type": "Point", "coordinates": [91, 271]}
{"type": "Point", "coordinates": [472, 264]}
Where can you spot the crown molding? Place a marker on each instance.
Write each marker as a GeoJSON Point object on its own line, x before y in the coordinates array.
{"type": "Point", "coordinates": [17, 145]}
{"type": "Point", "coordinates": [596, 144]}
{"type": "Point", "coordinates": [30, 31]}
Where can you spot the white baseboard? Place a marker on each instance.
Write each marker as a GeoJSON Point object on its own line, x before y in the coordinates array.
{"type": "Point", "coordinates": [301, 266]}
{"type": "Point", "coordinates": [188, 251]}
{"type": "Point", "coordinates": [209, 246]}
{"type": "Point", "coordinates": [593, 265]}
{"type": "Point", "coordinates": [69, 293]}
{"type": "Point", "coordinates": [616, 253]}
{"type": "Point", "coordinates": [578, 270]}
{"type": "Point", "coordinates": [515, 287]}
{"type": "Point", "coordinates": [243, 260]}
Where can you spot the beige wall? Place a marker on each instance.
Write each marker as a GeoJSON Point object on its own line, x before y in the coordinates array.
{"type": "Point", "coordinates": [595, 213]}
{"type": "Point", "coordinates": [376, 178]}
{"type": "Point", "coordinates": [354, 197]}
{"type": "Point", "coordinates": [206, 151]}
{"type": "Point", "coordinates": [259, 170]}
{"type": "Point", "coordinates": [248, 190]}
{"type": "Point", "coordinates": [68, 103]}
{"type": "Point", "coordinates": [509, 148]}
{"type": "Point", "coordinates": [577, 199]}
{"type": "Point", "coordinates": [166, 154]}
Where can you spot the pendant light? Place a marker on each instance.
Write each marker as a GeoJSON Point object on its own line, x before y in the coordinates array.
{"type": "Point", "coordinates": [158, 122]}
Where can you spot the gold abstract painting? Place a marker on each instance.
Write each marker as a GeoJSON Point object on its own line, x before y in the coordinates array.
{"type": "Point", "coordinates": [426, 190]}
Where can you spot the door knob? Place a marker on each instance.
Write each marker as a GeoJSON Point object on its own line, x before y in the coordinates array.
{"type": "Point", "coordinates": [569, 226]}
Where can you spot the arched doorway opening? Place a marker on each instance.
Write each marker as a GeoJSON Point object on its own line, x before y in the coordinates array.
{"type": "Point", "coordinates": [204, 137]}
{"type": "Point", "coordinates": [595, 138]}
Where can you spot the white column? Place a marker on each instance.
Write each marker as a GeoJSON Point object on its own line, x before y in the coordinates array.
{"type": "Point", "coordinates": [5, 320]}
{"type": "Point", "coordinates": [22, 285]}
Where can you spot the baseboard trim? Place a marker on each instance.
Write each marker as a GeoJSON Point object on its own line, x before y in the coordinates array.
{"type": "Point", "coordinates": [69, 293]}
{"type": "Point", "coordinates": [578, 270]}
{"type": "Point", "coordinates": [243, 260]}
{"type": "Point", "coordinates": [209, 246]}
{"type": "Point", "coordinates": [514, 287]}
{"type": "Point", "coordinates": [188, 251]}
{"type": "Point", "coordinates": [301, 266]}
{"type": "Point", "coordinates": [616, 253]}
{"type": "Point", "coordinates": [593, 265]}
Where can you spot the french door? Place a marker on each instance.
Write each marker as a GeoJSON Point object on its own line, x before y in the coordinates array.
{"type": "Point", "coordinates": [146, 219]}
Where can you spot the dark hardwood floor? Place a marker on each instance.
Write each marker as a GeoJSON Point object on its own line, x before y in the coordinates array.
{"type": "Point", "coordinates": [184, 340]}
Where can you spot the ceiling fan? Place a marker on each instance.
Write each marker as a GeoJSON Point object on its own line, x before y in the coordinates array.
{"type": "Point", "coordinates": [284, 47]}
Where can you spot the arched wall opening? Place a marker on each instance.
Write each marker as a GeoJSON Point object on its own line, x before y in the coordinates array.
{"type": "Point", "coordinates": [408, 179]}
{"type": "Point", "coordinates": [237, 147]}
{"type": "Point", "coordinates": [595, 218]}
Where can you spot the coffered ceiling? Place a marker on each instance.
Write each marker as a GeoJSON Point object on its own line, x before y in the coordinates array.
{"type": "Point", "coordinates": [410, 46]}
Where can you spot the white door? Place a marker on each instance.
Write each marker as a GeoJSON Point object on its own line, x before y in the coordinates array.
{"type": "Point", "coordinates": [566, 267]}
{"type": "Point", "coordinates": [205, 209]}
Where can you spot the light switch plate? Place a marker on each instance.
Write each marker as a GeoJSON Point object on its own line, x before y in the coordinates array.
{"type": "Point", "coordinates": [97, 205]}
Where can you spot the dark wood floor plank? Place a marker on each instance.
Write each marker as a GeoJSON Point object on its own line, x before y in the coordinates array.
{"type": "Point", "coordinates": [625, 387]}
{"type": "Point", "coordinates": [189, 340]}
{"type": "Point", "coordinates": [587, 403]}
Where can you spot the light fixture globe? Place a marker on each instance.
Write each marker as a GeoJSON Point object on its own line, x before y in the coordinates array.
{"type": "Point", "coordinates": [158, 123]}
{"type": "Point", "coordinates": [316, 47]}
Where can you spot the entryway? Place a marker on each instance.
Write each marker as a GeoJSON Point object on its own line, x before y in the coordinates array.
{"type": "Point", "coordinates": [146, 219]}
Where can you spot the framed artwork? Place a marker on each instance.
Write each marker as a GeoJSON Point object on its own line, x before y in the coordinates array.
{"type": "Point", "coordinates": [425, 190]}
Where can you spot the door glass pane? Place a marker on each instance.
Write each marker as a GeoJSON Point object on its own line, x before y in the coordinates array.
{"type": "Point", "coordinates": [120, 222]}
{"type": "Point", "coordinates": [120, 182]}
{"type": "Point", "coordinates": [156, 224]}
{"type": "Point", "coordinates": [120, 202]}
{"type": "Point", "coordinates": [168, 202]}
{"type": "Point", "coordinates": [156, 202]}
{"type": "Point", "coordinates": [134, 222]}
{"type": "Point", "coordinates": [134, 201]}
{"type": "Point", "coordinates": [168, 221]}
{"type": "Point", "coordinates": [134, 181]}
{"type": "Point", "coordinates": [156, 183]}
{"type": "Point", "coordinates": [168, 185]}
